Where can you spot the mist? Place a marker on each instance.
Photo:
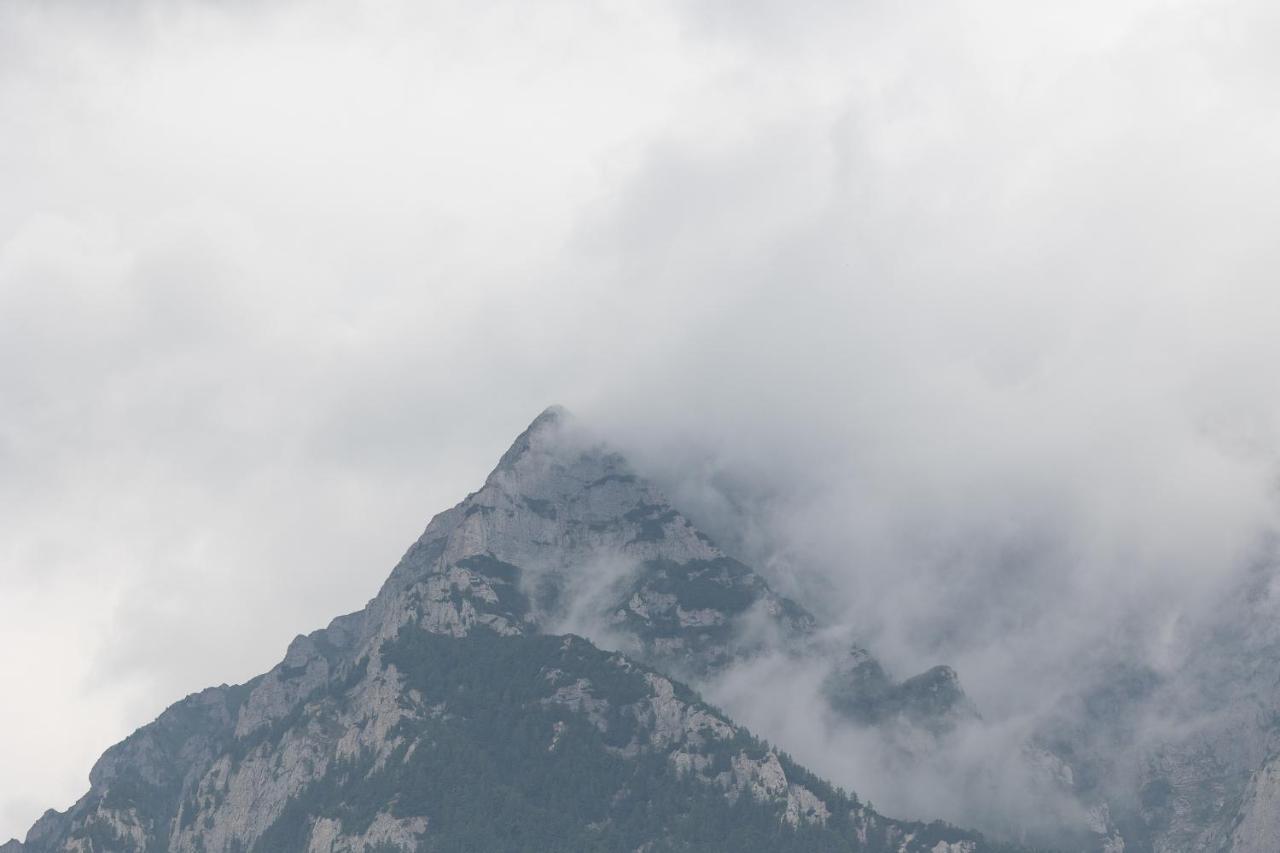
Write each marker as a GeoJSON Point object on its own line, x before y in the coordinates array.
{"type": "Point", "coordinates": [957, 323]}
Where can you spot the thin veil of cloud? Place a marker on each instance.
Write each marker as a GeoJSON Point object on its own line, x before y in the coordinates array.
{"type": "Point", "coordinates": [959, 321]}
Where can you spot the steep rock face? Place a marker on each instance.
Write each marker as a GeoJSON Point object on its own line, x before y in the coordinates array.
{"type": "Point", "coordinates": [1185, 760]}
{"type": "Point", "coordinates": [601, 552]}
{"type": "Point", "coordinates": [1257, 825]}
{"type": "Point", "coordinates": [859, 688]}
{"type": "Point", "coordinates": [1208, 782]}
{"type": "Point", "coordinates": [446, 715]}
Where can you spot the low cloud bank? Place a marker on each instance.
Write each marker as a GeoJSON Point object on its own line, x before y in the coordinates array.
{"type": "Point", "coordinates": [959, 323]}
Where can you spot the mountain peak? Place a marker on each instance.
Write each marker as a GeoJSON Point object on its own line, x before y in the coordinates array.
{"type": "Point", "coordinates": [462, 676]}
{"type": "Point", "coordinates": [597, 549]}
{"type": "Point", "coordinates": [554, 412]}
{"type": "Point", "coordinates": [540, 431]}
{"type": "Point", "coordinates": [551, 419]}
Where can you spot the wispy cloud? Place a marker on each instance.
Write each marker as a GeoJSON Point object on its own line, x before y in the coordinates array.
{"type": "Point", "coordinates": [964, 314]}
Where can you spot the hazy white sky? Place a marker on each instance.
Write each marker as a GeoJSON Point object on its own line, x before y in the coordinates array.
{"type": "Point", "coordinates": [972, 307]}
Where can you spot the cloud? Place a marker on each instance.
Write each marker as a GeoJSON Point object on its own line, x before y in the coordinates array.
{"type": "Point", "coordinates": [961, 317]}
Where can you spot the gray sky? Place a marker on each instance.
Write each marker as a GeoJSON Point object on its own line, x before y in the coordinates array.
{"type": "Point", "coordinates": [969, 311]}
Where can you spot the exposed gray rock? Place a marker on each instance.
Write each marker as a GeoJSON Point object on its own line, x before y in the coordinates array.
{"type": "Point", "coordinates": [601, 552]}
{"type": "Point", "coordinates": [858, 687]}
{"type": "Point", "coordinates": [385, 831]}
{"type": "Point", "coordinates": [1184, 760]}
{"type": "Point", "coordinates": [562, 534]}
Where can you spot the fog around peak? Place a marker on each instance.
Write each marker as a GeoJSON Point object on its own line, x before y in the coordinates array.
{"type": "Point", "coordinates": [957, 323]}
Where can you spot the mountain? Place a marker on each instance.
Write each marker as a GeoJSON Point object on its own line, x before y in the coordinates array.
{"type": "Point", "coordinates": [1185, 759]}
{"type": "Point", "coordinates": [462, 709]}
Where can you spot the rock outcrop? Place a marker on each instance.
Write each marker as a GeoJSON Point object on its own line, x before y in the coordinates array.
{"type": "Point", "coordinates": [458, 710]}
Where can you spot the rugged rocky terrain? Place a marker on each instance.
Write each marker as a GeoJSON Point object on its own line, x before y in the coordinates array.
{"type": "Point", "coordinates": [463, 709]}
{"type": "Point", "coordinates": [1185, 760]}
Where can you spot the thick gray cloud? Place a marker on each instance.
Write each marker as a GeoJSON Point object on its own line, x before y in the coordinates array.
{"type": "Point", "coordinates": [963, 316]}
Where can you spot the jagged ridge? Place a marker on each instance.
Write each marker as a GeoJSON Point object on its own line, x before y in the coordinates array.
{"type": "Point", "coordinates": [349, 742]}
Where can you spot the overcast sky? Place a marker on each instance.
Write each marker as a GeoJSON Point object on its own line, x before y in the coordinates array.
{"type": "Point", "coordinates": [969, 310]}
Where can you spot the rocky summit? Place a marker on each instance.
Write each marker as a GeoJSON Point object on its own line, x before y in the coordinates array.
{"type": "Point", "coordinates": [520, 683]}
